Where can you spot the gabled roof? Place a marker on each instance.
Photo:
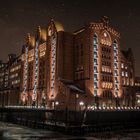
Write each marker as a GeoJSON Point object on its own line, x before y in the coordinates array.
{"type": "Point", "coordinates": [127, 54]}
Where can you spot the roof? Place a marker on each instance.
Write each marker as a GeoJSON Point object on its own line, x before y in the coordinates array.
{"type": "Point", "coordinates": [70, 84]}
{"type": "Point", "coordinates": [127, 53]}
{"type": "Point", "coordinates": [75, 88]}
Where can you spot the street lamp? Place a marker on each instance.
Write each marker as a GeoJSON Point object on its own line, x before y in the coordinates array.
{"type": "Point", "coordinates": [56, 103]}
{"type": "Point", "coordinates": [76, 97]}
{"type": "Point", "coordinates": [81, 103]}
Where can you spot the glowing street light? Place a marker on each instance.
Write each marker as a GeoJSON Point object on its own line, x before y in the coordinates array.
{"type": "Point", "coordinates": [56, 103]}
{"type": "Point", "coordinates": [81, 103]}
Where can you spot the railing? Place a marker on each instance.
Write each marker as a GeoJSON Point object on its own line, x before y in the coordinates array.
{"type": "Point", "coordinates": [89, 108]}
{"type": "Point", "coordinates": [26, 107]}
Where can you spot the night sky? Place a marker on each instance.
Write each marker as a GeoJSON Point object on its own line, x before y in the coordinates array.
{"type": "Point", "coordinates": [18, 17]}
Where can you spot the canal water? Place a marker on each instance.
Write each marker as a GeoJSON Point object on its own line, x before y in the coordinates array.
{"type": "Point", "coordinates": [16, 132]}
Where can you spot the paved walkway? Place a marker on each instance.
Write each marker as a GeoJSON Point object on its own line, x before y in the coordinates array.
{"type": "Point", "coordinates": [15, 132]}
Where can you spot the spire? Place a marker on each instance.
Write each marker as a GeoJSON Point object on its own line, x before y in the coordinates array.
{"type": "Point", "coordinates": [28, 38]}
{"type": "Point", "coordinates": [38, 32]}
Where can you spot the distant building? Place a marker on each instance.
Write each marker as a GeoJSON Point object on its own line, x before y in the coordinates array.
{"type": "Point", "coordinates": [10, 81]}
{"type": "Point", "coordinates": [15, 72]}
{"type": "Point", "coordinates": [2, 81]}
{"type": "Point", "coordinates": [137, 90]}
{"type": "Point", "coordinates": [128, 78]}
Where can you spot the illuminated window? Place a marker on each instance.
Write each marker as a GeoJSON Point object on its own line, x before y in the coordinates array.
{"type": "Point", "coordinates": [95, 92]}
{"type": "Point", "coordinates": [126, 74]}
{"type": "Point", "coordinates": [95, 55]}
{"type": "Point", "coordinates": [95, 61]}
{"type": "Point", "coordinates": [116, 73]}
{"type": "Point", "coordinates": [115, 65]}
{"type": "Point", "coordinates": [105, 34]}
{"type": "Point", "coordinates": [116, 79]}
{"type": "Point", "coordinates": [95, 85]}
{"type": "Point", "coordinates": [95, 39]}
{"type": "Point", "coordinates": [122, 73]}
{"type": "Point", "coordinates": [95, 69]}
{"type": "Point", "coordinates": [122, 65]}
{"type": "Point", "coordinates": [95, 77]}
{"type": "Point", "coordinates": [116, 87]}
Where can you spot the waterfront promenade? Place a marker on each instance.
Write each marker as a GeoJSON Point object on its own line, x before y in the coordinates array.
{"type": "Point", "coordinates": [72, 122]}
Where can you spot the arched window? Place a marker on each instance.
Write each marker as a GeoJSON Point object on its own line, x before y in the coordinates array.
{"type": "Point", "coordinates": [95, 38]}
{"type": "Point", "coordinates": [106, 38]}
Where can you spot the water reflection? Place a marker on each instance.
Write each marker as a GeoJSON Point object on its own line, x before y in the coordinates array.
{"type": "Point", "coordinates": [15, 132]}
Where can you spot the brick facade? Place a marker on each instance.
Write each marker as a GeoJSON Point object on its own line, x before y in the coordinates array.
{"type": "Point", "coordinates": [76, 70]}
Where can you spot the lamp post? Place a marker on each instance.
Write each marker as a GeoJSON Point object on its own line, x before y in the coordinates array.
{"type": "Point", "coordinates": [81, 105]}
{"type": "Point", "coordinates": [56, 103]}
{"type": "Point", "coordinates": [76, 97]}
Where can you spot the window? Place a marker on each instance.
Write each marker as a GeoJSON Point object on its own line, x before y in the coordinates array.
{"type": "Point", "coordinates": [95, 69]}
{"type": "Point", "coordinates": [95, 61]}
{"type": "Point", "coordinates": [115, 64]}
{"type": "Point", "coordinates": [95, 55]}
{"type": "Point", "coordinates": [122, 73]}
{"type": "Point", "coordinates": [116, 73]}
{"type": "Point", "coordinates": [122, 65]}
{"type": "Point", "coordinates": [95, 92]}
{"type": "Point", "coordinates": [126, 74]}
{"type": "Point", "coordinates": [95, 77]}
{"type": "Point", "coordinates": [95, 39]}
{"type": "Point", "coordinates": [95, 85]}
{"type": "Point", "coordinates": [116, 80]}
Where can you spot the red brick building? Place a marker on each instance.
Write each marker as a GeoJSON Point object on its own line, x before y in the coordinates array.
{"type": "Point", "coordinates": [74, 69]}
{"type": "Point", "coordinates": [128, 78]}
{"type": "Point", "coordinates": [85, 68]}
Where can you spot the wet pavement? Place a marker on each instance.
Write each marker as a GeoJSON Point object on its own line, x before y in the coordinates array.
{"type": "Point", "coordinates": [16, 132]}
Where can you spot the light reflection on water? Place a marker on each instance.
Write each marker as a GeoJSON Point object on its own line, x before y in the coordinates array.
{"type": "Point", "coordinates": [14, 132]}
